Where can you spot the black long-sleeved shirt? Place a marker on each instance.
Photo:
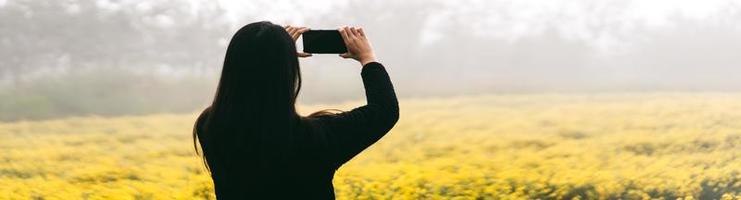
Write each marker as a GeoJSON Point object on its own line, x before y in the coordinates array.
{"type": "Point", "coordinates": [321, 145]}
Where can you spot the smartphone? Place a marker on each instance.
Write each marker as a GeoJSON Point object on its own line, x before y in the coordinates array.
{"type": "Point", "coordinates": [323, 41]}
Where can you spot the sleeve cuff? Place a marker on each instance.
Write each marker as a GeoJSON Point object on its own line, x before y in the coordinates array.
{"type": "Point", "coordinates": [371, 66]}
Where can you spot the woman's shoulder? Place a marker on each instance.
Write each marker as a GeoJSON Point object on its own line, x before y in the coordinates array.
{"type": "Point", "coordinates": [324, 115]}
{"type": "Point", "coordinates": [317, 124]}
{"type": "Point", "coordinates": [319, 120]}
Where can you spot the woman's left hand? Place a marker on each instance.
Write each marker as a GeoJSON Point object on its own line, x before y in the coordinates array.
{"type": "Point", "coordinates": [295, 32]}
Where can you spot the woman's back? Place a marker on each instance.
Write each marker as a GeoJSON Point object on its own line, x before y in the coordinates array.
{"type": "Point", "coordinates": [303, 172]}
{"type": "Point", "coordinates": [318, 147]}
{"type": "Point", "coordinates": [257, 151]}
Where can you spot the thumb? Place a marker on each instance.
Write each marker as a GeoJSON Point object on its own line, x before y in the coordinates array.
{"type": "Point", "coordinates": [303, 54]}
{"type": "Point", "coordinates": [346, 55]}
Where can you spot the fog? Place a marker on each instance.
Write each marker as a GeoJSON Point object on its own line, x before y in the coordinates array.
{"type": "Point", "coordinates": [82, 57]}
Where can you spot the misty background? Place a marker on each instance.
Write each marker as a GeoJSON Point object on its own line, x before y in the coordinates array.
{"type": "Point", "coordinates": [123, 57]}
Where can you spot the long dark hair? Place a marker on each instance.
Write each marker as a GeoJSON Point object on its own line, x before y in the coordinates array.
{"type": "Point", "coordinates": [253, 111]}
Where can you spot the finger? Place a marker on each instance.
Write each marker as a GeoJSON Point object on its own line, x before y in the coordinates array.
{"type": "Point", "coordinates": [299, 32]}
{"type": "Point", "coordinates": [360, 30]}
{"type": "Point", "coordinates": [294, 29]}
{"type": "Point", "coordinates": [303, 54]}
{"type": "Point", "coordinates": [343, 33]}
{"type": "Point", "coordinates": [290, 30]}
{"type": "Point", "coordinates": [295, 34]}
{"type": "Point", "coordinates": [355, 32]}
{"type": "Point", "coordinates": [352, 39]}
{"type": "Point", "coordinates": [346, 55]}
{"type": "Point", "coordinates": [350, 34]}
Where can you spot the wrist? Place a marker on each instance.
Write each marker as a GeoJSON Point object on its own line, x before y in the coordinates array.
{"type": "Point", "coordinates": [366, 60]}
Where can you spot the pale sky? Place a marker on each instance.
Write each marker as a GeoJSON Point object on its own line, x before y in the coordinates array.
{"type": "Point", "coordinates": [512, 19]}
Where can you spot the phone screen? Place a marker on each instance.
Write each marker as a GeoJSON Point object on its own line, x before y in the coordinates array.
{"type": "Point", "coordinates": [323, 41]}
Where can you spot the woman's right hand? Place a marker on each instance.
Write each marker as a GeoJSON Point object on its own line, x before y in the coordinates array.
{"type": "Point", "coordinates": [358, 46]}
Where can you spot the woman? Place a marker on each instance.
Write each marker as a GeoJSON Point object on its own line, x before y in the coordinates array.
{"type": "Point", "coordinates": [255, 144]}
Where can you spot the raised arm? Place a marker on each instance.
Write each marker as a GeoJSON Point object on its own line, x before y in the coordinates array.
{"type": "Point", "coordinates": [351, 132]}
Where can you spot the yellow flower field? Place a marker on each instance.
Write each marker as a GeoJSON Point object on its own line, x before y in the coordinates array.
{"type": "Point", "coordinates": [604, 146]}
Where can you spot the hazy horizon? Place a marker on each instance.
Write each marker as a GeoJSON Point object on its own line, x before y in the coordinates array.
{"type": "Point", "coordinates": [66, 52]}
